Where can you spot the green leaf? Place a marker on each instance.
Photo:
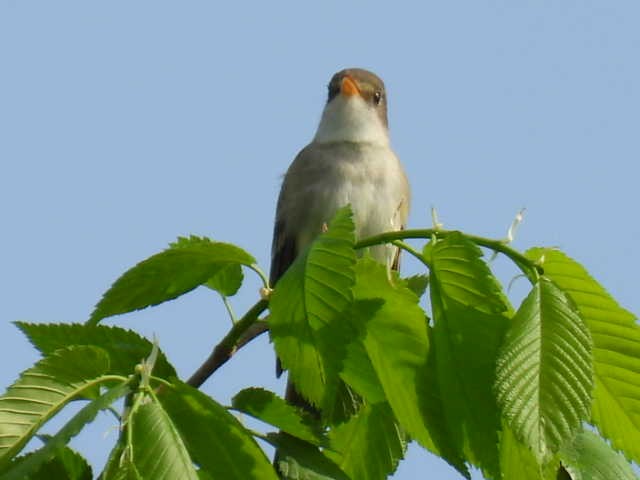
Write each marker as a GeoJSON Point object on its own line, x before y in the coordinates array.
{"type": "Point", "coordinates": [544, 378]}
{"type": "Point", "coordinates": [306, 309]}
{"type": "Point", "coordinates": [66, 465]}
{"type": "Point", "coordinates": [518, 462]}
{"type": "Point", "coordinates": [86, 415]}
{"type": "Point", "coordinates": [616, 350]}
{"type": "Point", "coordinates": [202, 475]}
{"type": "Point", "coordinates": [126, 348]}
{"type": "Point", "coordinates": [158, 449]}
{"type": "Point", "coordinates": [464, 277]}
{"type": "Point", "coordinates": [368, 446]}
{"type": "Point", "coordinates": [270, 408]}
{"type": "Point", "coordinates": [357, 369]}
{"type": "Point", "coordinates": [114, 468]}
{"type": "Point", "coordinates": [216, 441]}
{"type": "Point", "coordinates": [417, 284]}
{"type": "Point", "coordinates": [126, 471]}
{"type": "Point", "coordinates": [397, 345]}
{"type": "Point", "coordinates": [119, 464]}
{"type": "Point", "coordinates": [563, 474]}
{"type": "Point", "coordinates": [167, 275]}
{"type": "Point", "coordinates": [299, 460]}
{"type": "Point", "coordinates": [228, 280]}
{"type": "Point", "coordinates": [589, 457]}
{"type": "Point", "coordinates": [469, 326]}
{"type": "Point", "coordinates": [43, 390]}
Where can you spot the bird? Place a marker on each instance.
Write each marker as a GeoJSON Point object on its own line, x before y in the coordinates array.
{"type": "Point", "coordinates": [349, 161]}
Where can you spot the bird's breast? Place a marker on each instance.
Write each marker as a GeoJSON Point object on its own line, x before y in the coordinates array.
{"type": "Point", "coordinates": [367, 177]}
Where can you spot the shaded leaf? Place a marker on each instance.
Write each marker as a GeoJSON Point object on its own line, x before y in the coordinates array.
{"type": "Point", "coordinates": [215, 439]}
{"type": "Point", "coordinates": [270, 408]}
{"type": "Point", "coordinates": [306, 307]}
{"type": "Point", "coordinates": [544, 377]}
{"type": "Point", "coordinates": [126, 471]}
{"type": "Point", "coordinates": [45, 389]}
{"type": "Point", "coordinates": [368, 446]}
{"type": "Point", "coordinates": [417, 284]}
{"type": "Point", "coordinates": [589, 457]}
{"type": "Point", "coordinates": [397, 345]}
{"type": "Point", "coordinates": [158, 450]}
{"type": "Point", "coordinates": [167, 275]}
{"type": "Point", "coordinates": [119, 465]}
{"type": "Point", "coordinates": [469, 324]}
{"type": "Point", "coordinates": [357, 369]}
{"type": "Point", "coordinates": [616, 350]}
{"type": "Point", "coordinates": [299, 460]}
{"type": "Point", "coordinates": [227, 281]}
{"type": "Point", "coordinates": [563, 474]}
{"type": "Point", "coordinates": [65, 465]}
{"type": "Point", "coordinates": [126, 348]}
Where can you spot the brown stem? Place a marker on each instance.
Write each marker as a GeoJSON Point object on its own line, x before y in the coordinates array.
{"type": "Point", "coordinates": [245, 330]}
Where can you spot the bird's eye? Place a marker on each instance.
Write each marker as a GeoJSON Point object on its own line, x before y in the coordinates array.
{"type": "Point", "coordinates": [377, 97]}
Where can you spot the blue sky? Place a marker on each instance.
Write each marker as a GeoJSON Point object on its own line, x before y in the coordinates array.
{"type": "Point", "coordinates": [126, 124]}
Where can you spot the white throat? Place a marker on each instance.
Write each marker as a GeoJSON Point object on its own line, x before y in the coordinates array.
{"type": "Point", "coordinates": [351, 119]}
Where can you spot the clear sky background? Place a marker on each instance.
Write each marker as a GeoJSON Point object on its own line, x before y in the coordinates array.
{"type": "Point", "coordinates": [126, 124]}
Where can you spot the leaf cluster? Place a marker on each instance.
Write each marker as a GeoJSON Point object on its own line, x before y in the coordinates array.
{"type": "Point", "coordinates": [548, 389]}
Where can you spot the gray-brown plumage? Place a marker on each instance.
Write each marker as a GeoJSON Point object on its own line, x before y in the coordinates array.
{"type": "Point", "coordinates": [349, 161]}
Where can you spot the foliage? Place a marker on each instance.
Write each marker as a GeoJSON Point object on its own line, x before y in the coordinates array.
{"type": "Point", "coordinates": [547, 390]}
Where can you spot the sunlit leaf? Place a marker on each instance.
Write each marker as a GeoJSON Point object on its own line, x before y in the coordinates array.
{"type": "Point", "coordinates": [464, 277]}
{"type": "Point", "coordinates": [518, 462]}
{"type": "Point", "coordinates": [544, 377]}
{"type": "Point", "coordinates": [70, 429]}
{"type": "Point", "coordinates": [616, 350]}
{"type": "Point", "coordinates": [45, 389]}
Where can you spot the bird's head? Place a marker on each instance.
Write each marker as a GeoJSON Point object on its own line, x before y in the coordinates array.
{"type": "Point", "coordinates": [356, 109]}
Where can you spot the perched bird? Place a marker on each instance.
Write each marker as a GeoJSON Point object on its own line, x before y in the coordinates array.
{"type": "Point", "coordinates": [349, 161]}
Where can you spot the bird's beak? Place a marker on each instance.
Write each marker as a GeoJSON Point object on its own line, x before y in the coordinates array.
{"type": "Point", "coordinates": [349, 87]}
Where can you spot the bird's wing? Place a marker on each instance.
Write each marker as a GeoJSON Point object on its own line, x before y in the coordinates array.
{"type": "Point", "coordinates": [292, 204]}
{"type": "Point", "coordinates": [283, 251]}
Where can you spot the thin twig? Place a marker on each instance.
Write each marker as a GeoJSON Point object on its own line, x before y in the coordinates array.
{"type": "Point", "coordinates": [242, 332]}
{"type": "Point", "coordinates": [528, 267]}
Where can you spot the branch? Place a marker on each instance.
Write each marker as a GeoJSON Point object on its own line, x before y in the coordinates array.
{"type": "Point", "coordinates": [250, 327]}
{"type": "Point", "coordinates": [528, 267]}
{"type": "Point", "coordinates": [243, 331]}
